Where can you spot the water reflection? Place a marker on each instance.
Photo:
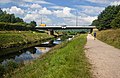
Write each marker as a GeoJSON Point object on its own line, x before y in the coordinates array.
{"type": "Point", "coordinates": [58, 41]}
{"type": "Point", "coordinates": [29, 55]}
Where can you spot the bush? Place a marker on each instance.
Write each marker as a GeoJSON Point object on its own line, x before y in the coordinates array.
{"type": "Point", "coordinates": [15, 26]}
{"type": "Point", "coordinates": [2, 70]}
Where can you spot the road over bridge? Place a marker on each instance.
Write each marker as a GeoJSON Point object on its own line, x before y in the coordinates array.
{"type": "Point", "coordinates": [63, 27]}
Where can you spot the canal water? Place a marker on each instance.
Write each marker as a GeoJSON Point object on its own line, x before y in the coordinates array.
{"type": "Point", "coordinates": [29, 54]}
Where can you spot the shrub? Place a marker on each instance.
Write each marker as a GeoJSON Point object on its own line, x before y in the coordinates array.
{"type": "Point", "coordinates": [2, 70]}
{"type": "Point", "coordinates": [15, 26]}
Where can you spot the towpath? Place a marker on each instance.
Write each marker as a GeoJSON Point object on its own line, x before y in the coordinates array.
{"type": "Point", "coordinates": [104, 58]}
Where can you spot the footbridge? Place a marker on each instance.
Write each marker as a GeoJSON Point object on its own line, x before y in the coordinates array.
{"type": "Point", "coordinates": [63, 27]}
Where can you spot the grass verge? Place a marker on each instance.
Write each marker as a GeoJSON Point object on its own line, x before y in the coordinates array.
{"type": "Point", "coordinates": [66, 60]}
{"type": "Point", "coordinates": [111, 37]}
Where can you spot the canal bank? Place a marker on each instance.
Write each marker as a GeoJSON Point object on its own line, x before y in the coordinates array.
{"type": "Point", "coordinates": [31, 48]}
{"type": "Point", "coordinates": [29, 53]}
{"type": "Point", "coordinates": [65, 60]}
{"type": "Point", "coordinates": [12, 41]}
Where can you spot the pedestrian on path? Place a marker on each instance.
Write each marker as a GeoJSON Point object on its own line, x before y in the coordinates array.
{"type": "Point", "coordinates": [94, 35]}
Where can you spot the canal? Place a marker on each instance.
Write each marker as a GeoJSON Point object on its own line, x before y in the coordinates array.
{"type": "Point", "coordinates": [31, 53]}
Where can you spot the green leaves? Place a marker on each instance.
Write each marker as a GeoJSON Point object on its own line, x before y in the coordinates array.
{"type": "Point", "coordinates": [116, 22]}
{"type": "Point", "coordinates": [11, 22]}
{"type": "Point", "coordinates": [108, 19]}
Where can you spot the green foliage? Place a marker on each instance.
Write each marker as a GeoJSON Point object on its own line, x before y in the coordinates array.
{"type": "Point", "coordinates": [106, 17]}
{"type": "Point", "coordinates": [72, 33]}
{"type": "Point", "coordinates": [2, 70]}
{"type": "Point", "coordinates": [33, 24]}
{"type": "Point", "coordinates": [17, 19]}
{"type": "Point", "coordinates": [63, 37]}
{"type": "Point", "coordinates": [1, 12]}
{"type": "Point", "coordinates": [4, 17]}
{"type": "Point", "coordinates": [116, 22]}
{"type": "Point", "coordinates": [111, 37]}
{"type": "Point", "coordinates": [66, 60]}
{"type": "Point", "coordinates": [14, 26]}
{"type": "Point", "coordinates": [10, 22]}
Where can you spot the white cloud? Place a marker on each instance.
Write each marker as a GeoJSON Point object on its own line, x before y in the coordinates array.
{"type": "Point", "coordinates": [90, 10]}
{"type": "Point", "coordinates": [45, 11]}
{"type": "Point", "coordinates": [115, 3]}
{"type": "Point", "coordinates": [5, 1]}
{"type": "Point", "coordinates": [28, 0]}
{"type": "Point", "coordinates": [108, 2]}
{"type": "Point", "coordinates": [99, 1]}
{"type": "Point", "coordinates": [58, 15]}
{"type": "Point", "coordinates": [31, 6]}
{"type": "Point", "coordinates": [30, 17]}
{"type": "Point", "coordinates": [57, 7]}
{"type": "Point", "coordinates": [43, 2]}
{"type": "Point", "coordinates": [88, 19]}
{"type": "Point", "coordinates": [15, 10]}
{"type": "Point", "coordinates": [38, 1]}
{"type": "Point", "coordinates": [45, 20]}
{"type": "Point", "coordinates": [66, 12]}
{"type": "Point", "coordinates": [37, 18]}
{"type": "Point", "coordinates": [35, 6]}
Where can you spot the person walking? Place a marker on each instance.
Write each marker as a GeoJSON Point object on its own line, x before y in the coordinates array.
{"type": "Point", "coordinates": [94, 35]}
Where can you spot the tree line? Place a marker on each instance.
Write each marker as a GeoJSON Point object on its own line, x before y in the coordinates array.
{"type": "Point", "coordinates": [10, 21]}
{"type": "Point", "coordinates": [108, 18]}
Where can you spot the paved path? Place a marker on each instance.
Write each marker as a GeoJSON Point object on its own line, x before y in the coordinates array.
{"type": "Point", "coordinates": [105, 59]}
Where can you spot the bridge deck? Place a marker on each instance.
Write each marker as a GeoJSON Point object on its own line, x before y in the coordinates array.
{"type": "Point", "coordinates": [65, 27]}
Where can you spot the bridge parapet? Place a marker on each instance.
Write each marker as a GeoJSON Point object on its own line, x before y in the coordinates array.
{"type": "Point", "coordinates": [64, 28]}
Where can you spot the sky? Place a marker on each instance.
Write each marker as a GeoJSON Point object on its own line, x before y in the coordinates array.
{"type": "Point", "coordinates": [57, 12]}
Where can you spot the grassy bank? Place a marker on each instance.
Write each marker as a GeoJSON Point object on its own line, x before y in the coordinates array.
{"type": "Point", "coordinates": [111, 37]}
{"type": "Point", "coordinates": [66, 60]}
{"type": "Point", "coordinates": [16, 38]}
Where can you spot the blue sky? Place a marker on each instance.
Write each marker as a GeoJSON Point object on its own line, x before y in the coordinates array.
{"type": "Point", "coordinates": [57, 12]}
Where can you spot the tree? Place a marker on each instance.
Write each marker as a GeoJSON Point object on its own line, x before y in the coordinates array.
{"type": "Point", "coordinates": [116, 22]}
{"type": "Point", "coordinates": [106, 17]}
{"type": "Point", "coordinates": [1, 12]}
{"type": "Point", "coordinates": [11, 22]}
{"type": "Point", "coordinates": [10, 18]}
{"type": "Point", "coordinates": [17, 19]}
{"type": "Point", "coordinates": [33, 24]}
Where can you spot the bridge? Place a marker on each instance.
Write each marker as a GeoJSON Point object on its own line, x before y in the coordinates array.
{"type": "Point", "coordinates": [63, 27]}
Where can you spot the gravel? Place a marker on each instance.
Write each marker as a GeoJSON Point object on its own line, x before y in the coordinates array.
{"type": "Point", "coordinates": [104, 58]}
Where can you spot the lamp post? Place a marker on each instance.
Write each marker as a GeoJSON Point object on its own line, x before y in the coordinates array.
{"type": "Point", "coordinates": [76, 18]}
{"type": "Point", "coordinates": [41, 18]}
